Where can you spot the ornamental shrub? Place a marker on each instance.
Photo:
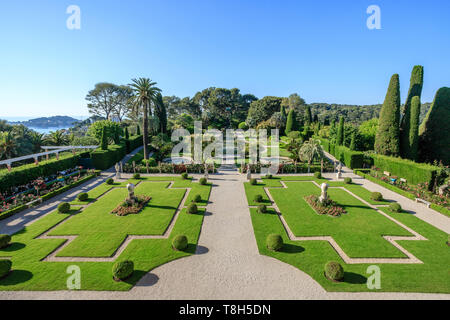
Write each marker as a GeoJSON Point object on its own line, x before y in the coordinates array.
{"type": "Point", "coordinates": [184, 175]}
{"type": "Point", "coordinates": [197, 198]}
{"type": "Point", "coordinates": [243, 126]}
{"type": "Point", "coordinates": [317, 175]}
{"type": "Point", "coordinates": [5, 267]}
{"type": "Point", "coordinates": [274, 242]}
{"type": "Point", "coordinates": [83, 196]}
{"type": "Point", "coordinates": [269, 176]}
{"type": "Point", "coordinates": [395, 207]}
{"type": "Point", "coordinates": [253, 182]}
{"type": "Point", "coordinates": [347, 180]}
{"type": "Point", "coordinates": [203, 181]}
{"type": "Point", "coordinates": [387, 141]}
{"type": "Point", "coordinates": [192, 208]}
{"type": "Point", "coordinates": [122, 270]}
{"type": "Point", "coordinates": [136, 175]}
{"type": "Point", "coordinates": [180, 242]}
{"type": "Point", "coordinates": [376, 196]}
{"type": "Point", "coordinates": [258, 198]}
{"type": "Point", "coordinates": [334, 271]}
{"type": "Point", "coordinates": [109, 181]}
{"type": "Point", "coordinates": [64, 207]}
{"type": "Point", "coordinates": [5, 239]}
{"type": "Point", "coordinates": [262, 208]}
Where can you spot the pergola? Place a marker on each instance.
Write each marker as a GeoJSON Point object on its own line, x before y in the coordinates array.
{"type": "Point", "coordinates": [48, 150]}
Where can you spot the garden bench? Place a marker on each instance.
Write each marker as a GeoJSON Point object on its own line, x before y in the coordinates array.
{"type": "Point", "coordinates": [428, 204]}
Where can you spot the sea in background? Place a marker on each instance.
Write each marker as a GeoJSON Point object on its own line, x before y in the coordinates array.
{"type": "Point", "coordinates": [40, 130]}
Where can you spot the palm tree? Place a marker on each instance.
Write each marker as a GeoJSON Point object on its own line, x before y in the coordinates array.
{"type": "Point", "coordinates": [7, 145]}
{"type": "Point", "coordinates": [57, 138]}
{"type": "Point", "coordinates": [310, 151]}
{"type": "Point", "coordinates": [37, 139]}
{"type": "Point", "coordinates": [145, 93]}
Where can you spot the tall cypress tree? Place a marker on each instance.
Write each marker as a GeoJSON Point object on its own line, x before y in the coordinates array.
{"type": "Point", "coordinates": [138, 130]}
{"type": "Point", "coordinates": [414, 129]}
{"type": "Point", "coordinates": [290, 122]}
{"type": "Point", "coordinates": [415, 89]}
{"type": "Point", "coordinates": [104, 142]}
{"type": "Point", "coordinates": [283, 112]}
{"type": "Point", "coordinates": [353, 141]}
{"type": "Point", "coordinates": [434, 138]}
{"type": "Point", "coordinates": [387, 140]}
{"type": "Point", "coordinates": [308, 115]}
{"type": "Point", "coordinates": [127, 135]}
{"type": "Point", "coordinates": [340, 133]}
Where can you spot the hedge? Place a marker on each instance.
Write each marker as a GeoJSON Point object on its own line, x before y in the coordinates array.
{"type": "Point", "coordinates": [135, 142]}
{"type": "Point", "coordinates": [413, 172]}
{"type": "Point", "coordinates": [351, 159]}
{"type": "Point", "coordinates": [9, 213]}
{"type": "Point", "coordinates": [26, 173]}
{"type": "Point", "coordinates": [105, 159]}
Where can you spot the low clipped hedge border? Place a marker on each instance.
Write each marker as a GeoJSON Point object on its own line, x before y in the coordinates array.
{"type": "Point", "coordinates": [7, 214]}
{"type": "Point", "coordinates": [404, 193]}
{"type": "Point", "coordinates": [26, 173]}
{"type": "Point", "coordinates": [413, 172]}
{"type": "Point", "coordinates": [351, 159]}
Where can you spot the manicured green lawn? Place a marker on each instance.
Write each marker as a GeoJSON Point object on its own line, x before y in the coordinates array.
{"type": "Point", "coordinates": [99, 234]}
{"type": "Point", "coordinates": [359, 233]}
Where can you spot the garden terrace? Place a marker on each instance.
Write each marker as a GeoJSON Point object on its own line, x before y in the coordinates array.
{"type": "Point", "coordinates": [412, 254]}
{"type": "Point", "coordinates": [93, 238]}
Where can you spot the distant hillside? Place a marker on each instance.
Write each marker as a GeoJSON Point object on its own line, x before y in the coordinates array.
{"type": "Point", "coordinates": [353, 113]}
{"type": "Point", "coordinates": [49, 122]}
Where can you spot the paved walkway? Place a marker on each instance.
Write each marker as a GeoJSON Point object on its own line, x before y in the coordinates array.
{"type": "Point", "coordinates": [227, 264]}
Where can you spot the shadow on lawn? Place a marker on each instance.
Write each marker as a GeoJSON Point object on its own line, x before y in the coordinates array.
{"type": "Point", "coordinates": [354, 278]}
{"type": "Point", "coordinates": [16, 277]}
{"type": "Point", "coordinates": [292, 248]}
{"type": "Point", "coordinates": [14, 246]}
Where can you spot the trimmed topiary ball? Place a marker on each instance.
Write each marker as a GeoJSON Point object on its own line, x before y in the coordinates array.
{"type": "Point", "coordinates": [5, 239]}
{"type": "Point", "coordinates": [317, 175]}
{"type": "Point", "coordinates": [184, 175]}
{"type": "Point", "coordinates": [269, 176]}
{"type": "Point", "coordinates": [347, 180]}
{"type": "Point", "coordinates": [192, 208]}
{"type": "Point", "coordinates": [334, 271]}
{"type": "Point", "coordinates": [180, 242]}
{"type": "Point", "coordinates": [253, 181]}
{"type": "Point", "coordinates": [258, 198]}
{"type": "Point", "coordinates": [262, 208]}
{"type": "Point", "coordinates": [109, 181]}
{"type": "Point", "coordinates": [83, 196]}
{"type": "Point", "coordinates": [5, 267]}
{"type": "Point", "coordinates": [64, 207]}
{"type": "Point", "coordinates": [197, 198]}
{"type": "Point", "coordinates": [136, 175]}
{"type": "Point", "coordinates": [203, 181]}
{"type": "Point", "coordinates": [274, 242]}
{"type": "Point", "coordinates": [376, 196]}
{"type": "Point", "coordinates": [395, 207]}
{"type": "Point", "coordinates": [122, 270]}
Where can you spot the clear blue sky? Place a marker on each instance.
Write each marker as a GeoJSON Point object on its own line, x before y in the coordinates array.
{"type": "Point", "coordinates": [319, 49]}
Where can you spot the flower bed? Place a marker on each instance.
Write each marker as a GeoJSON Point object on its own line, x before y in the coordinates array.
{"type": "Point", "coordinates": [43, 191]}
{"type": "Point", "coordinates": [330, 207]}
{"type": "Point", "coordinates": [169, 168]}
{"type": "Point", "coordinates": [286, 168]}
{"type": "Point", "coordinates": [127, 207]}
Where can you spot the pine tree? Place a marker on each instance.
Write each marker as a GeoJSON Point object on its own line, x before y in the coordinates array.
{"type": "Point", "coordinates": [104, 142]}
{"type": "Point", "coordinates": [353, 142]}
{"type": "Point", "coordinates": [387, 141]}
{"type": "Point", "coordinates": [414, 129]}
{"type": "Point", "coordinates": [415, 89]}
{"type": "Point", "coordinates": [434, 138]}
{"type": "Point", "coordinates": [290, 122]}
{"type": "Point", "coordinates": [340, 133]}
